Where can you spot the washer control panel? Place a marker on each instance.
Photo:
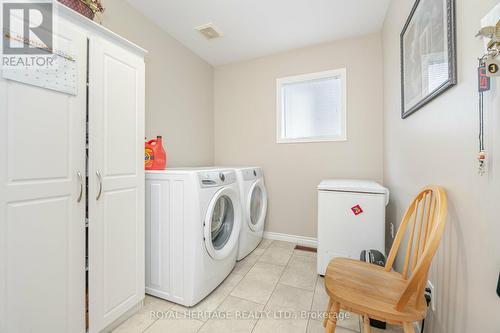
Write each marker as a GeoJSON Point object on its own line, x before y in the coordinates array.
{"type": "Point", "coordinates": [217, 178]}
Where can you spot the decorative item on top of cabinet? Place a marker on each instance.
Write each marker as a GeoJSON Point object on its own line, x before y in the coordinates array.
{"type": "Point", "coordinates": [428, 54]}
{"type": "Point", "coordinates": [88, 8]}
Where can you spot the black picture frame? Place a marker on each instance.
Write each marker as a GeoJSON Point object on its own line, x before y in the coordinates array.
{"type": "Point", "coordinates": [452, 57]}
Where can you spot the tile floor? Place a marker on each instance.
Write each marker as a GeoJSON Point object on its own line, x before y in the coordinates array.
{"type": "Point", "coordinates": [274, 278]}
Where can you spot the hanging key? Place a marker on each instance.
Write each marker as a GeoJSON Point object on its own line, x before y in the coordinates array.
{"type": "Point", "coordinates": [492, 33]}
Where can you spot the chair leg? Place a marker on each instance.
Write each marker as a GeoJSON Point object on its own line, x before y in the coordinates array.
{"type": "Point", "coordinates": [408, 328]}
{"type": "Point", "coordinates": [332, 318]}
{"type": "Point", "coordinates": [327, 312]}
{"type": "Point", "coordinates": [366, 325]}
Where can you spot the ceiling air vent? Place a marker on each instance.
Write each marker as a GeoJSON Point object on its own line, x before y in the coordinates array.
{"type": "Point", "coordinates": [209, 31]}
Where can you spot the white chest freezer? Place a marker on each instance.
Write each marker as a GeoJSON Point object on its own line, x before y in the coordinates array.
{"type": "Point", "coordinates": [351, 218]}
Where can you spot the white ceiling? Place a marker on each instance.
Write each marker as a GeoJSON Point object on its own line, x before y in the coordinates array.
{"type": "Point", "coordinates": [254, 28]}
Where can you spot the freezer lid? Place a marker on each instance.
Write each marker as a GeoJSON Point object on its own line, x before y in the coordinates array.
{"type": "Point", "coordinates": [353, 185]}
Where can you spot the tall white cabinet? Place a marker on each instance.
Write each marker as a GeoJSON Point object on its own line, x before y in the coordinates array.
{"type": "Point", "coordinates": [116, 165]}
{"type": "Point", "coordinates": [48, 186]}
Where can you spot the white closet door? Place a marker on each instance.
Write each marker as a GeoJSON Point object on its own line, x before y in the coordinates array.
{"type": "Point", "coordinates": [116, 183]}
{"type": "Point", "coordinates": [42, 224]}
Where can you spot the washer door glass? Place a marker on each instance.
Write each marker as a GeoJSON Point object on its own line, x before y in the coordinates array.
{"type": "Point", "coordinates": [256, 201]}
{"type": "Point", "coordinates": [222, 223]}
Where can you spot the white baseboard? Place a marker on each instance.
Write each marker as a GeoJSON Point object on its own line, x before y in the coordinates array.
{"type": "Point", "coordinates": [305, 241]}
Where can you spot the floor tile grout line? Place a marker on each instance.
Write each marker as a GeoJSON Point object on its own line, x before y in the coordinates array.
{"type": "Point", "coordinates": [255, 263]}
{"type": "Point", "coordinates": [273, 263]}
{"type": "Point", "coordinates": [172, 305]}
{"type": "Point", "coordinates": [243, 276]}
{"type": "Point", "coordinates": [230, 292]}
{"type": "Point", "coordinates": [287, 266]}
{"type": "Point", "coordinates": [244, 299]}
{"type": "Point", "coordinates": [149, 326]}
{"type": "Point", "coordinates": [359, 319]}
{"type": "Point", "coordinates": [155, 320]}
{"type": "Point", "coordinates": [313, 290]}
{"type": "Point", "coordinates": [312, 303]}
{"type": "Point", "coordinates": [304, 289]}
{"type": "Point", "coordinates": [264, 305]}
{"type": "Point", "coordinates": [274, 289]}
{"type": "Point", "coordinates": [222, 301]}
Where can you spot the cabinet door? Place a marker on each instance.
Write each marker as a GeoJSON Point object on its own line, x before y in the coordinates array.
{"type": "Point", "coordinates": [116, 182]}
{"type": "Point", "coordinates": [42, 220]}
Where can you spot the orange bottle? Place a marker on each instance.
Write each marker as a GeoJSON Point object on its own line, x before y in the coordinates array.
{"type": "Point", "coordinates": [155, 157]}
{"type": "Point", "coordinates": [148, 155]}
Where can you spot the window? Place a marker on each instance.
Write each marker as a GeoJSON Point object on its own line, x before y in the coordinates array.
{"type": "Point", "coordinates": [312, 107]}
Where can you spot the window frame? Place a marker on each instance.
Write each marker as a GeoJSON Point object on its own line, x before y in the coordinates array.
{"type": "Point", "coordinates": [341, 74]}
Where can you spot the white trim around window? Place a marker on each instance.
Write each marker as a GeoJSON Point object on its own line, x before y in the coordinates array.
{"type": "Point", "coordinates": [280, 112]}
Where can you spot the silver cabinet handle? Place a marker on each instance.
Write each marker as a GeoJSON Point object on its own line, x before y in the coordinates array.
{"type": "Point", "coordinates": [100, 185]}
{"type": "Point", "coordinates": [80, 177]}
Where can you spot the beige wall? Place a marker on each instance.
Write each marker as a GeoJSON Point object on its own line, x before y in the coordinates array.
{"type": "Point", "coordinates": [438, 144]}
{"type": "Point", "coordinates": [245, 127]}
{"type": "Point", "coordinates": [179, 87]}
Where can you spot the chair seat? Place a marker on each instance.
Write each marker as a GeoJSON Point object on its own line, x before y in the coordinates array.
{"type": "Point", "coordinates": [369, 290]}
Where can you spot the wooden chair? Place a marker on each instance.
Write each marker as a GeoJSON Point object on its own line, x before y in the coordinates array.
{"type": "Point", "coordinates": [378, 292]}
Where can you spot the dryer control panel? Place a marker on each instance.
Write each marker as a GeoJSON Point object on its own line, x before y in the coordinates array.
{"type": "Point", "coordinates": [217, 178]}
{"type": "Point", "coordinates": [252, 173]}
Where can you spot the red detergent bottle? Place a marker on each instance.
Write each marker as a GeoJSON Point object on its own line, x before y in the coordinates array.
{"type": "Point", "coordinates": [148, 155]}
{"type": "Point", "coordinates": [155, 157]}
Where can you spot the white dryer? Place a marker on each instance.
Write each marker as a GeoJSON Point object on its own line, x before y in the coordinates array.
{"type": "Point", "coordinates": [254, 208]}
{"type": "Point", "coordinates": [193, 220]}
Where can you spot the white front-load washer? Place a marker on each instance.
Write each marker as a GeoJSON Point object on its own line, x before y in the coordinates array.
{"type": "Point", "coordinates": [193, 221]}
{"type": "Point", "coordinates": [254, 208]}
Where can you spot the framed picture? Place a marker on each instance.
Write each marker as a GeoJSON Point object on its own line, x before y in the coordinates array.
{"type": "Point", "coordinates": [428, 53]}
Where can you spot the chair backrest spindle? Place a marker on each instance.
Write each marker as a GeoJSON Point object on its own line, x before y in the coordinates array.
{"type": "Point", "coordinates": [418, 240]}
{"type": "Point", "coordinates": [426, 216]}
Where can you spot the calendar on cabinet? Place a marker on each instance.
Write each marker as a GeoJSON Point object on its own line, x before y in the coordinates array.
{"type": "Point", "coordinates": [58, 72]}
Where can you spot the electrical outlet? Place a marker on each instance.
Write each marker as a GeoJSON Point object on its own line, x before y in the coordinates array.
{"type": "Point", "coordinates": [433, 296]}
{"type": "Point", "coordinates": [392, 230]}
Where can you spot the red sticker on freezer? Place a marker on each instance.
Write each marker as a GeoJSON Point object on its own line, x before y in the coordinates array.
{"type": "Point", "coordinates": [357, 210]}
